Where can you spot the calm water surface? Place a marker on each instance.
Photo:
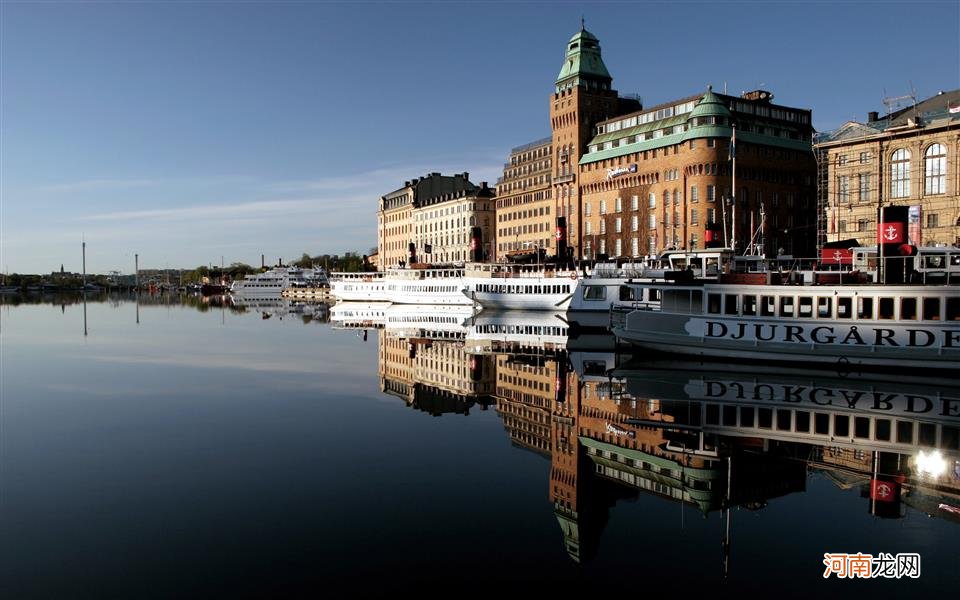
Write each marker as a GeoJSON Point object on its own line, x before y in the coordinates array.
{"type": "Point", "coordinates": [203, 451]}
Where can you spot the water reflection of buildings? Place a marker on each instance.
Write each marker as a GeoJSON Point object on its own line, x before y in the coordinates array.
{"type": "Point", "coordinates": [434, 376]}
{"type": "Point", "coordinates": [703, 437]}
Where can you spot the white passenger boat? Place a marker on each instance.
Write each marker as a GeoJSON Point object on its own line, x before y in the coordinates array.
{"type": "Point", "coordinates": [869, 325]}
{"type": "Point", "coordinates": [609, 284]}
{"type": "Point", "coordinates": [520, 286]}
{"type": "Point", "coordinates": [272, 283]}
{"type": "Point", "coordinates": [427, 285]}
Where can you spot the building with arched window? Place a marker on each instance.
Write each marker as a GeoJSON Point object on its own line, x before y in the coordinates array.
{"type": "Point", "coordinates": [668, 171]}
{"type": "Point", "coordinates": [908, 157]}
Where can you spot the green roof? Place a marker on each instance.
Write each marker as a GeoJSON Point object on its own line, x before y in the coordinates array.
{"type": "Point", "coordinates": [704, 131]}
{"type": "Point", "coordinates": [709, 106]}
{"type": "Point", "coordinates": [583, 58]}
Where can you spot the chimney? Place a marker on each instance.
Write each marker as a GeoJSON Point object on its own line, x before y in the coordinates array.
{"type": "Point", "coordinates": [873, 116]}
{"type": "Point", "coordinates": [466, 176]}
{"type": "Point", "coordinates": [263, 262]}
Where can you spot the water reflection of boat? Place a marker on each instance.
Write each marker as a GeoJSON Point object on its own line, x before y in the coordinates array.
{"type": "Point", "coordinates": [892, 436]}
{"type": "Point", "coordinates": [279, 307]}
{"type": "Point", "coordinates": [358, 315]}
{"type": "Point", "coordinates": [901, 413]}
{"type": "Point", "coordinates": [517, 331]}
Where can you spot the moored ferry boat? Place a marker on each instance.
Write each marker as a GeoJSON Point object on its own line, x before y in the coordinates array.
{"type": "Point", "coordinates": [520, 286]}
{"type": "Point", "coordinates": [866, 325]}
{"type": "Point", "coordinates": [835, 317]}
{"type": "Point", "coordinates": [419, 285]}
{"type": "Point", "coordinates": [609, 284]}
{"type": "Point", "coordinates": [272, 283]}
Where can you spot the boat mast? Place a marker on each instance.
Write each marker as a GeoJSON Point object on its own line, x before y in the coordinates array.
{"type": "Point", "coordinates": [733, 193]}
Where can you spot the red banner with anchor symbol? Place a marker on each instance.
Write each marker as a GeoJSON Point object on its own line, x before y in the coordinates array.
{"type": "Point", "coordinates": [891, 233]}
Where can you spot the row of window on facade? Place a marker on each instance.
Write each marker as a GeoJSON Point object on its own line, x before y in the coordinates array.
{"type": "Point", "coordinates": [524, 214]}
{"type": "Point", "coordinates": [530, 155]}
{"type": "Point", "coordinates": [677, 129]}
{"type": "Point", "coordinates": [524, 229]}
{"type": "Point", "coordinates": [617, 247]}
{"type": "Point", "coordinates": [864, 225]}
{"type": "Point", "coordinates": [934, 176]}
{"type": "Point", "coordinates": [711, 193]}
{"type": "Point", "coordinates": [711, 214]}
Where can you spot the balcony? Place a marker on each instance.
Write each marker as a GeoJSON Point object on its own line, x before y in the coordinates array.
{"type": "Point", "coordinates": [564, 178]}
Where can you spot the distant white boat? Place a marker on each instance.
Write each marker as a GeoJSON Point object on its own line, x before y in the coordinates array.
{"type": "Point", "coordinates": [272, 283]}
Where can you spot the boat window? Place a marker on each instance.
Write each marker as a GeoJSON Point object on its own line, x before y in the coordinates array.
{"type": "Point", "coordinates": [927, 435]}
{"type": "Point", "coordinates": [749, 305]}
{"type": "Point", "coordinates": [803, 421]}
{"type": "Point", "coordinates": [696, 301]}
{"type": "Point", "coordinates": [931, 309]}
{"type": "Point", "coordinates": [806, 306]}
{"type": "Point", "coordinates": [765, 418]}
{"type": "Point", "coordinates": [844, 307]}
{"type": "Point", "coordinates": [713, 267]}
{"type": "Point", "coordinates": [950, 438]}
{"type": "Point", "coordinates": [821, 423]}
{"type": "Point", "coordinates": [861, 427]}
{"type": "Point", "coordinates": [767, 306]}
{"type": "Point", "coordinates": [730, 304]}
{"type": "Point", "coordinates": [746, 416]}
{"type": "Point", "coordinates": [885, 308]}
{"type": "Point", "coordinates": [881, 430]}
{"type": "Point", "coordinates": [786, 306]}
{"type": "Point", "coordinates": [865, 308]}
{"type": "Point", "coordinates": [783, 419]}
{"type": "Point", "coordinates": [841, 425]}
{"type": "Point", "coordinates": [730, 416]}
{"type": "Point", "coordinates": [626, 292]}
{"type": "Point", "coordinates": [934, 261]}
{"type": "Point", "coordinates": [905, 432]}
{"type": "Point", "coordinates": [953, 309]}
{"type": "Point", "coordinates": [594, 292]}
{"type": "Point", "coordinates": [653, 295]}
{"type": "Point", "coordinates": [713, 303]}
{"type": "Point", "coordinates": [908, 308]}
{"type": "Point", "coordinates": [824, 308]}
{"type": "Point", "coordinates": [713, 415]}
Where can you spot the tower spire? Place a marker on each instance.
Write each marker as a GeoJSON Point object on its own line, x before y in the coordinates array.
{"type": "Point", "coordinates": [583, 25]}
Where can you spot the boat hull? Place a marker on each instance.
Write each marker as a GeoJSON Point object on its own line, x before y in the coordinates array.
{"type": "Point", "coordinates": [874, 344]}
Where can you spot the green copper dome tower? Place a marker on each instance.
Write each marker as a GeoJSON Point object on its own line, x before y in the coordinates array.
{"type": "Point", "coordinates": [583, 65]}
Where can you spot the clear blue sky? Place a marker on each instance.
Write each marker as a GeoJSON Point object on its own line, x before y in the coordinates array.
{"type": "Point", "coordinates": [187, 131]}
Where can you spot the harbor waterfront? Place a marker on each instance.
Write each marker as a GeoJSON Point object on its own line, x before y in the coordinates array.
{"type": "Point", "coordinates": [264, 447]}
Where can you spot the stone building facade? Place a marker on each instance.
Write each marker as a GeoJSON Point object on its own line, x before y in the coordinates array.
{"type": "Point", "coordinates": [908, 157]}
{"type": "Point", "coordinates": [413, 215]}
{"type": "Point", "coordinates": [524, 205]}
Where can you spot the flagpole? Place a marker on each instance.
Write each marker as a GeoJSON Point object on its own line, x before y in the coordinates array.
{"type": "Point", "coordinates": [733, 191]}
